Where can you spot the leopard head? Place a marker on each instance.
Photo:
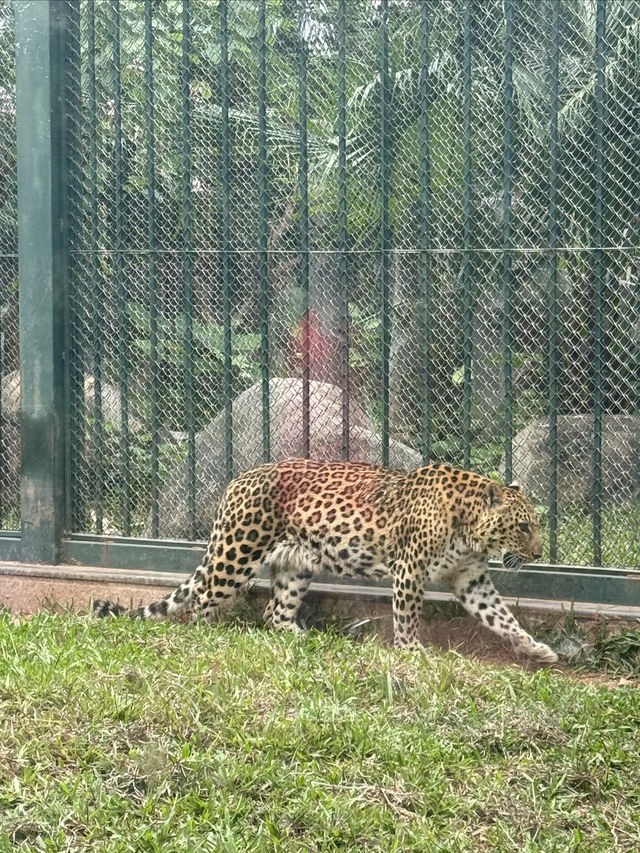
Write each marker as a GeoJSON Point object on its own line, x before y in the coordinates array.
{"type": "Point", "coordinates": [508, 526]}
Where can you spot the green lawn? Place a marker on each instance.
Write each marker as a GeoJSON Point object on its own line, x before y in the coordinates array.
{"type": "Point", "coordinates": [133, 736]}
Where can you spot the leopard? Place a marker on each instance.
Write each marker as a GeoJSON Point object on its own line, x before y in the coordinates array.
{"type": "Point", "coordinates": [298, 518]}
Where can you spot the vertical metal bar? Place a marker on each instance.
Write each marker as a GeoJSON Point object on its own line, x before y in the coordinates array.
{"type": "Point", "coordinates": [303, 172]}
{"type": "Point", "coordinates": [95, 282]}
{"type": "Point", "coordinates": [263, 179]}
{"type": "Point", "coordinates": [385, 226]}
{"type": "Point", "coordinates": [123, 355]}
{"type": "Point", "coordinates": [43, 264]}
{"type": "Point", "coordinates": [343, 234]}
{"type": "Point", "coordinates": [187, 271]}
{"type": "Point", "coordinates": [76, 474]}
{"type": "Point", "coordinates": [552, 299]}
{"type": "Point", "coordinates": [467, 271]}
{"type": "Point", "coordinates": [507, 239]}
{"type": "Point", "coordinates": [226, 236]}
{"type": "Point", "coordinates": [152, 284]}
{"type": "Point", "coordinates": [599, 273]}
{"type": "Point", "coordinates": [425, 233]}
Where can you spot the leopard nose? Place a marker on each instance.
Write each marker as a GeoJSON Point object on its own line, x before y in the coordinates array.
{"type": "Point", "coordinates": [536, 555]}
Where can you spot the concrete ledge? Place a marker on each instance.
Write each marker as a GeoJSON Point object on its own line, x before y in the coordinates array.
{"type": "Point", "coordinates": [26, 587]}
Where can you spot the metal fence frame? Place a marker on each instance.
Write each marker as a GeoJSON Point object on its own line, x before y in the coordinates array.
{"type": "Point", "coordinates": [44, 37]}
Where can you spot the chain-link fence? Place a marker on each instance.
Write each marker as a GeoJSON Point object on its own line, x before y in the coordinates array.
{"type": "Point", "coordinates": [9, 354]}
{"type": "Point", "coordinates": [385, 230]}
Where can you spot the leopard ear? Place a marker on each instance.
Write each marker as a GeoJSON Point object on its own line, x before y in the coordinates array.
{"type": "Point", "coordinates": [515, 486]}
{"type": "Point", "coordinates": [494, 495]}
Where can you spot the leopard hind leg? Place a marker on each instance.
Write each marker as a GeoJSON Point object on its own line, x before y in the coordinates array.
{"type": "Point", "coordinates": [292, 567]}
{"type": "Point", "coordinates": [172, 606]}
{"type": "Point", "coordinates": [230, 568]}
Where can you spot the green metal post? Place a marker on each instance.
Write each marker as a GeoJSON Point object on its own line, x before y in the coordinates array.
{"type": "Point", "coordinates": [343, 236]}
{"type": "Point", "coordinates": [225, 174]}
{"type": "Point", "coordinates": [467, 271]}
{"type": "Point", "coordinates": [425, 233]}
{"type": "Point", "coordinates": [552, 301]}
{"type": "Point", "coordinates": [263, 178]}
{"type": "Point", "coordinates": [599, 274]}
{"type": "Point", "coordinates": [94, 276]}
{"type": "Point", "coordinates": [385, 227]}
{"type": "Point", "coordinates": [121, 289]}
{"type": "Point", "coordinates": [507, 239]}
{"type": "Point", "coordinates": [153, 292]}
{"type": "Point", "coordinates": [76, 469]}
{"type": "Point", "coordinates": [187, 270]}
{"type": "Point", "coordinates": [43, 264]}
{"type": "Point", "coordinates": [303, 169]}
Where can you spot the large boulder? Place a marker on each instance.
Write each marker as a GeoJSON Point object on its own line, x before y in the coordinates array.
{"type": "Point", "coordinates": [109, 400]}
{"type": "Point", "coordinates": [10, 435]}
{"type": "Point", "coordinates": [10, 394]}
{"type": "Point", "coordinates": [10, 450]}
{"type": "Point", "coordinates": [532, 459]}
{"type": "Point", "coordinates": [110, 405]}
{"type": "Point", "coordinates": [9, 472]}
{"type": "Point", "coordinates": [325, 417]}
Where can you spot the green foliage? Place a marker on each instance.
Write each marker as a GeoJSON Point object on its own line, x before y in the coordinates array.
{"type": "Point", "coordinates": [114, 477]}
{"type": "Point", "coordinates": [597, 645]}
{"type": "Point", "coordinates": [443, 78]}
{"type": "Point", "coordinates": [208, 360]}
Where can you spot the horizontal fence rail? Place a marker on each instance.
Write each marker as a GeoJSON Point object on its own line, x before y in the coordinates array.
{"type": "Point", "coordinates": [376, 230]}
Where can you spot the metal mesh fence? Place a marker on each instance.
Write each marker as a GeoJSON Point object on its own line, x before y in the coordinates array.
{"type": "Point", "coordinates": [384, 230]}
{"type": "Point", "coordinates": [9, 352]}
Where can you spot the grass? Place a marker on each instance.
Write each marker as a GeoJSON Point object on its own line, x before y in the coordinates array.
{"type": "Point", "coordinates": [620, 537]}
{"type": "Point", "coordinates": [133, 736]}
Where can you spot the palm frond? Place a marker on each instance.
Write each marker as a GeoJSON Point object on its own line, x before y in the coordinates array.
{"type": "Point", "coordinates": [622, 70]}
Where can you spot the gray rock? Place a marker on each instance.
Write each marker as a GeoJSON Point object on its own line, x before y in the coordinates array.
{"type": "Point", "coordinates": [10, 394]}
{"type": "Point", "coordinates": [10, 449]}
{"type": "Point", "coordinates": [10, 471]}
{"type": "Point", "coordinates": [573, 648]}
{"type": "Point", "coordinates": [110, 400]}
{"type": "Point", "coordinates": [286, 442]}
{"type": "Point", "coordinates": [620, 459]}
{"type": "Point", "coordinates": [11, 437]}
{"type": "Point", "coordinates": [110, 404]}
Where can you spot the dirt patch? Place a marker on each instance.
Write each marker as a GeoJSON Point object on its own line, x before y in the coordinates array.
{"type": "Point", "coordinates": [447, 626]}
{"type": "Point", "coordinates": [462, 636]}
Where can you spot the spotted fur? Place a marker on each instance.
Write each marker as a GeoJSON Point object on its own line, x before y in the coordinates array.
{"type": "Point", "coordinates": [299, 517]}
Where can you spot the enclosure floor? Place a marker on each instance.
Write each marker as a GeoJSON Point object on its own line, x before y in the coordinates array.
{"type": "Point", "coordinates": [26, 589]}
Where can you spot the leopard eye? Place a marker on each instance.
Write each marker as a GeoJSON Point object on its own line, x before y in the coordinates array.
{"type": "Point", "coordinates": [524, 526]}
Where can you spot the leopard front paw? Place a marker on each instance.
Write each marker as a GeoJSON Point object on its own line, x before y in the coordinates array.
{"type": "Point", "coordinates": [539, 652]}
